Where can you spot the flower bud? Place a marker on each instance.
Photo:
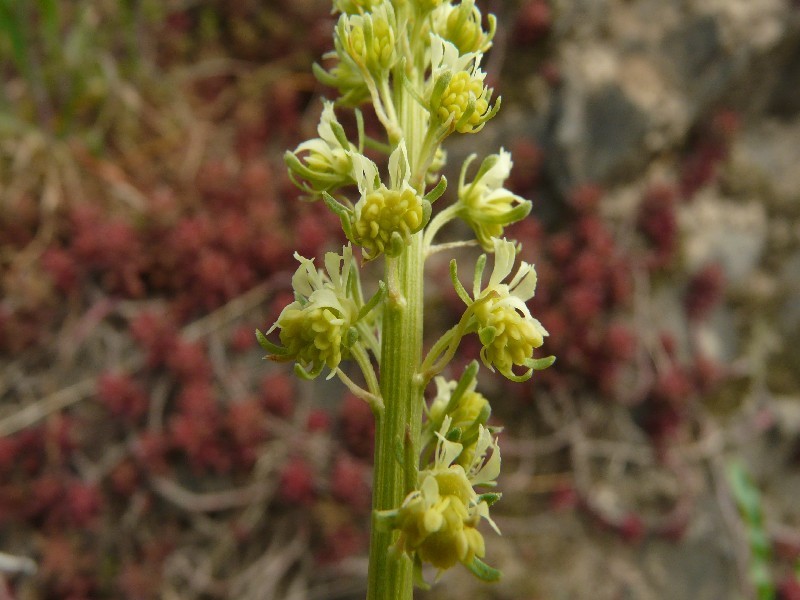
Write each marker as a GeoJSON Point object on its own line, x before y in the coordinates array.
{"type": "Point", "coordinates": [368, 39]}
{"type": "Point", "coordinates": [469, 408]}
{"type": "Point", "coordinates": [383, 213]}
{"type": "Point", "coordinates": [461, 25]}
{"type": "Point", "coordinates": [324, 163]}
{"type": "Point", "coordinates": [346, 77]}
{"type": "Point", "coordinates": [313, 334]}
{"type": "Point", "coordinates": [458, 98]}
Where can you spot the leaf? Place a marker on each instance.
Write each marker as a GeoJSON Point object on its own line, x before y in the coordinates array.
{"type": "Point", "coordinates": [376, 299]}
{"type": "Point", "coordinates": [11, 23]}
{"type": "Point", "coordinates": [538, 364]}
{"type": "Point", "coordinates": [269, 346]}
{"type": "Point", "coordinates": [489, 497]}
{"type": "Point", "coordinates": [462, 293]}
{"type": "Point", "coordinates": [304, 373]}
{"type": "Point", "coordinates": [436, 193]}
{"type": "Point", "coordinates": [466, 379]}
{"type": "Point", "coordinates": [483, 571]}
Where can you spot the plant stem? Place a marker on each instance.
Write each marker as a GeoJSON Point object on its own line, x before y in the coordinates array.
{"type": "Point", "coordinates": [400, 423]}
{"type": "Point", "coordinates": [398, 428]}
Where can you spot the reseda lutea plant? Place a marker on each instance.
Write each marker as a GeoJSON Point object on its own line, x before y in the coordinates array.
{"type": "Point", "coordinates": [417, 62]}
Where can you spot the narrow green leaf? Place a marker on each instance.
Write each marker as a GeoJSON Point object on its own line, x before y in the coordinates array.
{"type": "Point", "coordinates": [304, 373]}
{"type": "Point", "coordinates": [480, 265]}
{"type": "Point", "coordinates": [439, 86]}
{"type": "Point", "coordinates": [339, 134]}
{"type": "Point", "coordinates": [462, 293]}
{"type": "Point", "coordinates": [376, 299]}
{"type": "Point", "coordinates": [489, 497]}
{"type": "Point", "coordinates": [269, 346]}
{"type": "Point", "coordinates": [466, 379]}
{"type": "Point", "coordinates": [396, 245]}
{"type": "Point", "coordinates": [487, 163]}
{"type": "Point", "coordinates": [345, 214]}
{"type": "Point", "coordinates": [426, 213]}
{"type": "Point", "coordinates": [49, 12]}
{"type": "Point", "coordinates": [538, 364]}
{"type": "Point", "coordinates": [360, 129]}
{"type": "Point", "coordinates": [385, 520]}
{"type": "Point", "coordinates": [351, 337]}
{"type": "Point", "coordinates": [483, 571]}
{"type": "Point", "coordinates": [436, 193]}
{"type": "Point", "coordinates": [487, 335]}
{"type": "Point", "coordinates": [468, 112]}
{"type": "Point", "coordinates": [11, 23]}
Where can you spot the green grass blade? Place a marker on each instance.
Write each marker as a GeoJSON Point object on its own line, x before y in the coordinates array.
{"type": "Point", "coordinates": [12, 28]}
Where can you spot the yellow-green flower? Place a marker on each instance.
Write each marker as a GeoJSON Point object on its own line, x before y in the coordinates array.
{"type": "Point", "coordinates": [507, 330]}
{"type": "Point", "coordinates": [438, 522]}
{"type": "Point", "coordinates": [324, 163]}
{"type": "Point", "coordinates": [461, 25]}
{"type": "Point", "coordinates": [385, 217]}
{"type": "Point", "coordinates": [459, 100]}
{"type": "Point", "coordinates": [485, 205]}
{"type": "Point", "coordinates": [469, 407]}
{"type": "Point", "coordinates": [345, 76]}
{"type": "Point", "coordinates": [368, 39]}
{"type": "Point", "coordinates": [314, 329]}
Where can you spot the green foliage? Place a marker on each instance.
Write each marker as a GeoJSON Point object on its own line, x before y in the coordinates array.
{"type": "Point", "coordinates": [69, 63]}
{"type": "Point", "coordinates": [748, 501]}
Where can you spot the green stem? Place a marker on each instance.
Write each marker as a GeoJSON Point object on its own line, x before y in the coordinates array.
{"type": "Point", "coordinates": [440, 220]}
{"type": "Point", "coordinates": [398, 428]}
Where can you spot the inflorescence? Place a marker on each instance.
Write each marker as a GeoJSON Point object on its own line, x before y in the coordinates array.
{"type": "Point", "coordinates": [417, 64]}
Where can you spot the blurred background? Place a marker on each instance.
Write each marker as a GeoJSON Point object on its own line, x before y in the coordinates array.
{"type": "Point", "coordinates": [147, 226]}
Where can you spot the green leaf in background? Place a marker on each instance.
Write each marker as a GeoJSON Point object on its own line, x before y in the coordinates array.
{"type": "Point", "coordinates": [12, 27]}
{"type": "Point", "coordinates": [748, 501]}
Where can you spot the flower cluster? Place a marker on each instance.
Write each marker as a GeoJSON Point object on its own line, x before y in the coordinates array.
{"type": "Point", "coordinates": [318, 328]}
{"type": "Point", "coordinates": [418, 63]}
{"type": "Point", "coordinates": [438, 522]}
{"type": "Point", "coordinates": [507, 330]}
{"type": "Point", "coordinates": [458, 99]}
{"type": "Point", "coordinates": [386, 214]}
{"type": "Point", "coordinates": [463, 405]}
{"type": "Point", "coordinates": [368, 39]}
{"type": "Point", "coordinates": [461, 26]}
